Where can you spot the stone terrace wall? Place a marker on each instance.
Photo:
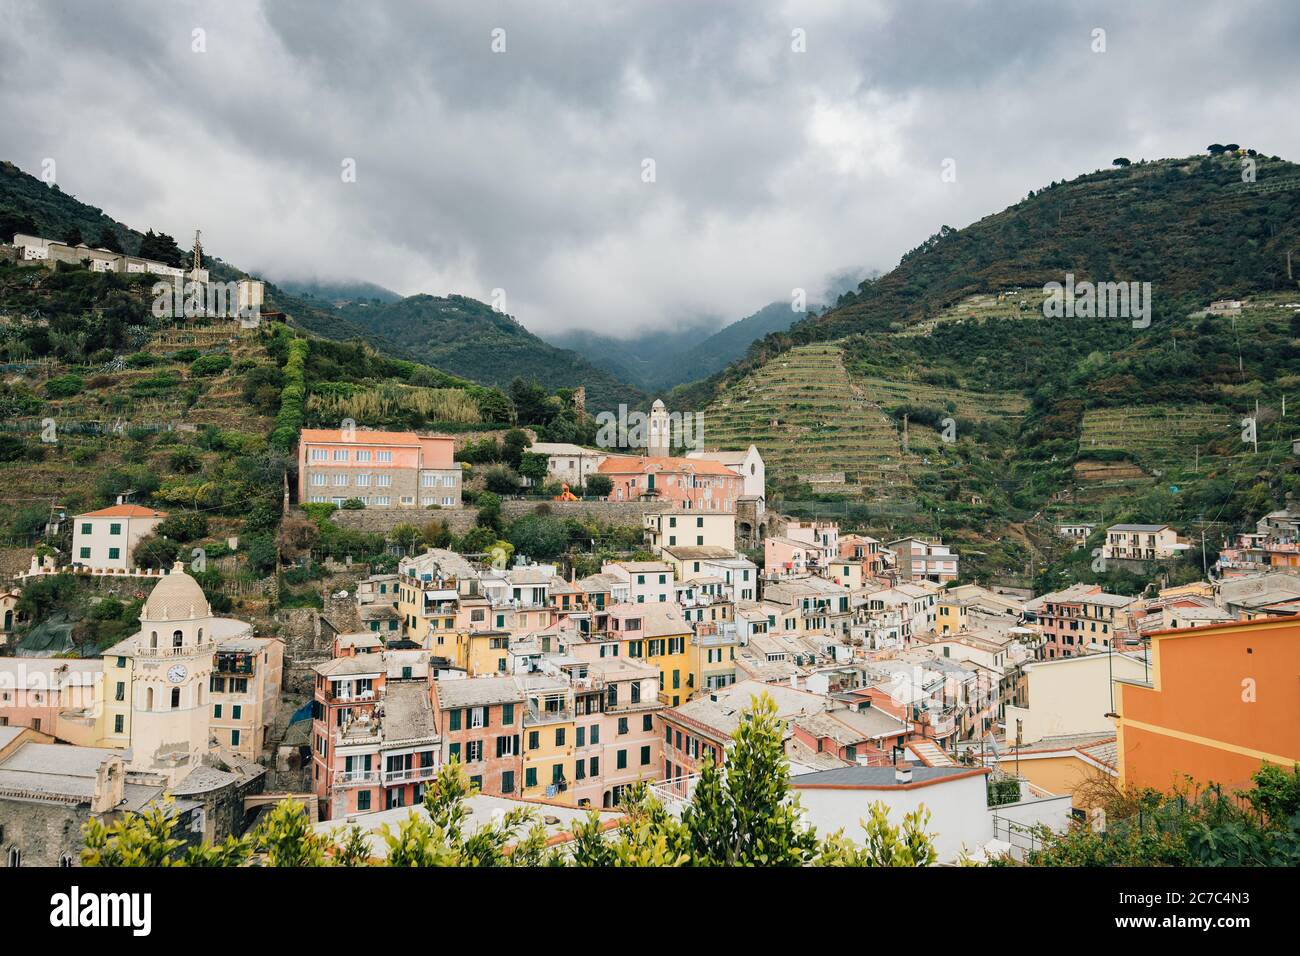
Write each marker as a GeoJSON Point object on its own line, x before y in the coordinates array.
{"type": "Point", "coordinates": [460, 520]}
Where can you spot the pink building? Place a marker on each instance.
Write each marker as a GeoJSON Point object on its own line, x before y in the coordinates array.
{"type": "Point", "coordinates": [617, 743]}
{"type": "Point", "coordinates": [35, 691]}
{"type": "Point", "coordinates": [374, 739]}
{"type": "Point", "coordinates": [381, 469]}
{"type": "Point", "coordinates": [692, 484]}
{"type": "Point", "coordinates": [1079, 620]}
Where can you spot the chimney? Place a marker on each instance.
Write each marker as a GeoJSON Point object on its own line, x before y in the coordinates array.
{"type": "Point", "coordinates": [902, 773]}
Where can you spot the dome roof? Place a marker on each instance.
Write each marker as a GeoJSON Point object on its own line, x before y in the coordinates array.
{"type": "Point", "coordinates": [176, 597]}
{"type": "Point", "coordinates": [658, 405]}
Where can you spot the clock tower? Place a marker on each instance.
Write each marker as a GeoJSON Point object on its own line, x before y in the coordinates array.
{"type": "Point", "coordinates": [171, 668]}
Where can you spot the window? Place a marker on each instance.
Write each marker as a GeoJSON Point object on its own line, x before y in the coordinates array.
{"type": "Point", "coordinates": [85, 554]}
{"type": "Point", "coordinates": [622, 726]}
{"type": "Point", "coordinates": [234, 738]}
{"type": "Point", "coordinates": [236, 712]}
{"type": "Point", "coordinates": [176, 697]}
{"type": "Point", "coordinates": [363, 456]}
{"type": "Point", "coordinates": [120, 692]}
{"type": "Point", "coordinates": [473, 751]}
{"type": "Point", "coordinates": [534, 740]}
{"type": "Point", "coordinates": [115, 528]}
{"type": "Point", "coordinates": [340, 454]}
{"type": "Point", "coordinates": [647, 723]}
{"type": "Point", "coordinates": [508, 781]}
{"type": "Point", "coordinates": [507, 714]}
{"type": "Point", "coordinates": [85, 527]}
{"type": "Point", "coordinates": [119, 724]}
{"type": "Point", "coordinates": [363, 481]}
{"type": "Point", "coordinates": [363, 799]}
{"type": "Point", "coordinates": [114, 553]}
{"type": "Point", "coordinates": [383, 456]}
{"type": "Point", "coordinates": [559, 736]}
{"type": "Point", "coordinates": [216, 711]}
{"type": "Point", "coordinates": [621, 762]}
{"type": "Point", "coordinates": [645, 756]}
{"type": "Point", "coordinates": [383, 481]}
{"type": "Point", "coordinates": [530, 776]}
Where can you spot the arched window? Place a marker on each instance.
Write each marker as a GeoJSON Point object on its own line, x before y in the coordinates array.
{"type": "Point", "coordinates": [178, 638]}
{"type": "Point", "coordinates": [153, 640]}
{"type": "Point", "coordinates": [176, 697]}
{"type": "Point", "coordinates": [15, 856]}
{"type": "Point", "coordinates": [200, 635]}
{"type": "Point", "coordinates": [148, 699]}
{"type": "Point", "coordinates": [65, 860]}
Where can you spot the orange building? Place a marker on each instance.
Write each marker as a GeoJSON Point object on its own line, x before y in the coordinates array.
{"type": "Point", "coordinates": [1222, 700]}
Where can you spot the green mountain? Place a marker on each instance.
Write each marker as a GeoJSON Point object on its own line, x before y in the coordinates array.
{"type": "Point", "coordinates": [466, 337]}
{"type": "Point", "coordinates": [941, 398]}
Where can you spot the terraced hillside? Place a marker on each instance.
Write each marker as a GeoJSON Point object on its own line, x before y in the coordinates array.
{"type": "Point", "coordinates": [1154, 435]}
{"type": "Point", "coordinates": [808, 417]}
{"type": "Point", "coordinates": [976, 406]}
{"type": "Point", "coordinates": [144, 413]}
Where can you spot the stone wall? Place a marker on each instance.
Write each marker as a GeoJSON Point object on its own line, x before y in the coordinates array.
{"type": "Point", "coordinates": [460, 520]}
{"type": "Point", "coordinates": [308, 639]}
{"type": "Point", "coordinates": [42, 832]}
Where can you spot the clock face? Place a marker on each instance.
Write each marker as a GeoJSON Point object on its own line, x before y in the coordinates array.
{"type": "Point", "coordinates": [176, 673]}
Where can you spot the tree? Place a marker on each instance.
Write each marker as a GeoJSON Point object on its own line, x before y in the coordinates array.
{"type": "Point", "coordinates": [73, 237]}
{"type": "Point", "coordinates": [513, 445]}
{"type": "Point", "coordinates": [1121, 162]}
{"type": "Point", "coordinates": [184, 526]}
{"type": "Point", "coordinates": [160, 247]}
{"type": "Point", "coordinates": [502, 480]}
{"type": "Point", "coordinates": [108, 240]}
{"type": "Point", "coordinates": [598, 486]}
{"type": "Point", "coordinates": [539, 536]}
{"type": "Point", "coordinates": [533, 467]}
{"type": "Point", "coordinates": [155, 551]}
{"type": "Point", "coordinates": [489, 510]}
{"type": "Point", "coordinates": [739, 815]}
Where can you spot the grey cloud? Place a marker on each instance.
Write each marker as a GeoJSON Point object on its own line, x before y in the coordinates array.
{"type": "Point", "coordinates": [522, 170]}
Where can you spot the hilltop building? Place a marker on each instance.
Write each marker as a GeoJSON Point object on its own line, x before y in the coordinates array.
{"type": "Point", "coordinates": [105, 540]}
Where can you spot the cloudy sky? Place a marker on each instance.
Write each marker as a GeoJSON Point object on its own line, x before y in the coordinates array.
{"type": "Point", "coordinates": [789, 141]}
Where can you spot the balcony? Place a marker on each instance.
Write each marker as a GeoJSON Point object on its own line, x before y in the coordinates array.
{"type": "Point", "coordinates": [185, 650]}
{"type": "Point", "coordinates": [355, 778]}
{"type": "Point", "coordinates": [409, 775]}
{"type": "Point", "coordinates": [352, 697]}
{"type": "Point", "coordinates": [534, 716]}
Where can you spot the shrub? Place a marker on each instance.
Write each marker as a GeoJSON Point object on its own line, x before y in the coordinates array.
{"type": "Point", "coordinates": [64, 386]}
{"type": "Point", "coordinates": [206, 365]}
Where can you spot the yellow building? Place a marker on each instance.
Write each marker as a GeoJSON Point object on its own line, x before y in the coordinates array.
{"type": "Point", "coordinates": [658, 635]}
{"type": "Point", "coordinates": [247, 674]}
{"type": "Point", "coordinates": [1080, 766]}
{"type": "Point", "coordinates": [548, 740]}
{"type": "Point", "coordinates": [713, 656]}
{"type": "Point", "coordinates": [487, 653]}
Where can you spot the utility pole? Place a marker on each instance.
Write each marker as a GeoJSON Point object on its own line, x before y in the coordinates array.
{"type": "Point", "coordinates": [1204, 567]}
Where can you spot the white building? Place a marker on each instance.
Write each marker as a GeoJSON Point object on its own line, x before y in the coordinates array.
{"type": "Point", "coordinates": [570, 464]}
{"type": "Point", "coordinates": [105, 540]}
{"type": "Point", "coordinates": [168, 667]}
{"type": "Point", "coordinates": [920, 560]}
{"type": "Point", "coordinates": [748, 464]}
{"type": "Point", "coordinates": [956, 798]}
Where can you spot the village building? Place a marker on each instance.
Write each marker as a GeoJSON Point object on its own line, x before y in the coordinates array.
{"type": "Point", "coordinates": [380, 469]}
